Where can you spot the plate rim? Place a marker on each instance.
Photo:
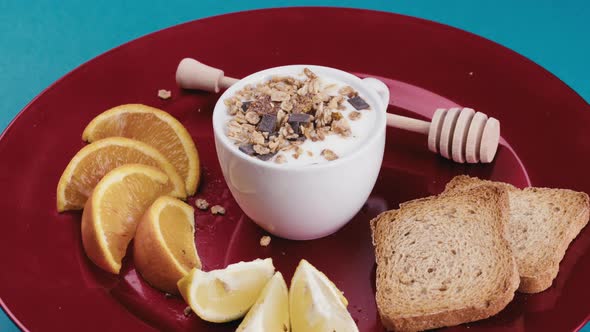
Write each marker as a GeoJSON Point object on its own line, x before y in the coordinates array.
{"type": "Point", "coordinates": [437, 25]}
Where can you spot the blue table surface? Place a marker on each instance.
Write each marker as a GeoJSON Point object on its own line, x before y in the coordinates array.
{"type": "Point", "coordinates": [42, 40]}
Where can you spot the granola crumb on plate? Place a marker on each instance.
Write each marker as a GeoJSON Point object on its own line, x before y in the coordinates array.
{"type": "Point", "coordinates": [218, 210]}
{"type": "Point", "coordinates": [265, 240]}
{"type": "Point", "coordinates": [201, 204]}
{"type": "Point", "coordinates": [164, 94]}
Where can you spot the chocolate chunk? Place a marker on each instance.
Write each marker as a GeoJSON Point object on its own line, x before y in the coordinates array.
{"type": "Point", "coordinates": [267, 124]}
{"type": "Point", "coordinates": [247, 149]}
{"type": "Point", "coordinates": [299, 117]}
{"type": "Point", "coordinates": [265, 157]}
{"type": "Point", "coordinates": [299, 138]}
{"type": "Point", "coordinates": [245, 105]}
{"type": "Point", "coordinates": [296, 120]}
{"type": "Point", "coordinates": [296, 127]}
{"type": "Point", "coordinates": [358, 103]}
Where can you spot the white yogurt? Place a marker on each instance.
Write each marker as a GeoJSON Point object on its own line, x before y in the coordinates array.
{"type": "Point", "coordinates": [340, 145]}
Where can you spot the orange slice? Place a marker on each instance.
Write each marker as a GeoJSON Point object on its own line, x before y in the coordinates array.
{"type": "Point", "coordinates": [154, 127]}
{"type": "Point", "coordinates": [113, 211]}
{"type": "Point", "coordinates": [93, 161]}
{"type": "Point", "coordinates": [164, 247]}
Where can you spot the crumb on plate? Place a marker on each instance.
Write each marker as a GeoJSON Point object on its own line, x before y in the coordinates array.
{"type": "Point", "coordinates": [265, 240]}
{"type": "Point", "coordinates": [218, 210]}
{"type": "Point", "coordinates": [201, 204]}
{"type": "Point", "coordinates": [164, 94]}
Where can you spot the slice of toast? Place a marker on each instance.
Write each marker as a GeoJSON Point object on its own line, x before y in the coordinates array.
{"type": "Point", "coordinates": [443, 260]}
{"type": "Point", "coordinates": [542, 224]}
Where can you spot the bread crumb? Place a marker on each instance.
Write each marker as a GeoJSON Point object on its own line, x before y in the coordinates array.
{"type": "Point", "coordinates": [187, 311]}
{"type": "Point", "coordinates": [201, 204]}
{"type": "Point", "coordinates": [218, 209]}
{"type": "Point", "coordinates": [265, 241]}
{"type": "Point", "coordinates": [164, 94]}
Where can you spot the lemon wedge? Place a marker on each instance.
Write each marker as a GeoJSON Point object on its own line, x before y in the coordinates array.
{"type": "Point", "coordinates": [315, 304]}
{"type": "Point", "coordinates": [271, 310]}
{"type": "Point", "coordinates": [220, 296]}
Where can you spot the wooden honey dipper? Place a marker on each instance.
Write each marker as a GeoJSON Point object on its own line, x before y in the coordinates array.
{"type": "Point", "coordinates": [459, 134]}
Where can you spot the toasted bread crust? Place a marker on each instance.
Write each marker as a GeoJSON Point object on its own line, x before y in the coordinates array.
{"type": "Point", "coordinates": [536, 275]}
{"type": "Point", "coordinates": [492, 199]}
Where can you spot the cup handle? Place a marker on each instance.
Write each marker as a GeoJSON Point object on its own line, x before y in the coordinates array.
{"type": "Point", "coordinates": [379, 87]}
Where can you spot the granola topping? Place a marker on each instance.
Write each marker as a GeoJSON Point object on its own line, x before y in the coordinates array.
{"type": "Point", "coordinates": [280, 159]}
{"type": "Point", "coordinates": [272, 119]}
{"type": "Point", "coordinates": [329, 154]}
{"type": "Point", "coordinates": [354, 115]}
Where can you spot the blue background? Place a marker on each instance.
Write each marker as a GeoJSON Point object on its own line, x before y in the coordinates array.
{"type": "Point", "coordinates": [42, 40]}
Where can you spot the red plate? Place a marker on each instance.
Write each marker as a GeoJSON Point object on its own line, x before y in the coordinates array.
{"type": "Point", "coordinates": [47, 283]}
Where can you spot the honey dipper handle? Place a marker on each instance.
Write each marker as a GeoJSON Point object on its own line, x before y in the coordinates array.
{"type": "Point", "coordinates": [192, 74]}
{"type": "Point", "coordinates": [402, 122]}
{"type": "Point", "coordinates": [226, 81]}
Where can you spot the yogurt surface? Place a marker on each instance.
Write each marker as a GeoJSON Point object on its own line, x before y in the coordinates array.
{"type": "Point", "coordinates": [311, 152]}
{"type": "Point", "coordinates": [340, 145]}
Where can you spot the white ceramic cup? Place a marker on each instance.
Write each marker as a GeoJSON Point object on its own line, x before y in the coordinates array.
{"type": "Point", "coordinates": [303, 202]}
